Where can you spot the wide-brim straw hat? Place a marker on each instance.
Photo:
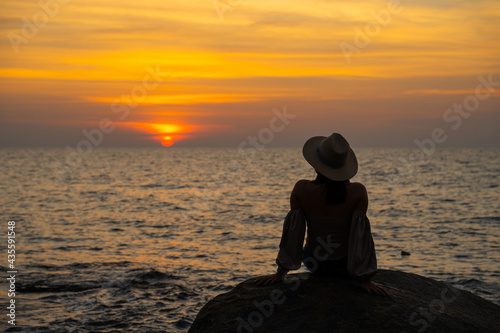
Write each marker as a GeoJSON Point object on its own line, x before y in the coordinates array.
{"type": "Point", "coordinates": [331, 156]}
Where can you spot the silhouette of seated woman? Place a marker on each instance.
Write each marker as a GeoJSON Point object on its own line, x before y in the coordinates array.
{"type": "Point", "coordinates": [339, 241]}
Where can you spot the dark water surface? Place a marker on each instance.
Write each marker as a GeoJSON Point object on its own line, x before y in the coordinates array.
{"type": "Point", "coordinates": [140, 239]}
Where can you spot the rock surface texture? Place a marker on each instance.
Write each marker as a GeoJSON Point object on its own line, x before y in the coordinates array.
{"type": "Point", "coordinates": [307, 303]}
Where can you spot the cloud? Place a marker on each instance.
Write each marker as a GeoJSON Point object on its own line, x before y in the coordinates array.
{"type": "Point", "coordinates": [232, 72]}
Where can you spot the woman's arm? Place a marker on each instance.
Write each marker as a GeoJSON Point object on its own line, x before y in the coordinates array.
{"type": "Point", "coordinates": [295, 203]}
{"type": "Point", "coordinates": [297, 194]}
{"type": "Point", "coordinates": [361, 197]}
{"type": "Point", "coordinates": [362, 205]}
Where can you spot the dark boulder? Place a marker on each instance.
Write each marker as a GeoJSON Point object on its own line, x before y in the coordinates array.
{"type": "Point", "coordinates": [309, 303]}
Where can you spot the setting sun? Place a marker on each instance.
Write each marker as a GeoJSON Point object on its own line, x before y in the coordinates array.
{"type": "Point", "coordinates": [167, 141]}
{"type": "Point", "coordinates": [164, 133]}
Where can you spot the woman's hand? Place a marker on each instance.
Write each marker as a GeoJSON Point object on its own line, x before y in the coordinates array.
{"type": "Point", "coordinates": [269, 279]}
{"type": "Point", "coordinates": [373, 288]}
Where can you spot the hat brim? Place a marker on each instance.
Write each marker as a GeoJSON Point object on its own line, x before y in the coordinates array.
{"type": "Point", "coordinates": [345, 172]}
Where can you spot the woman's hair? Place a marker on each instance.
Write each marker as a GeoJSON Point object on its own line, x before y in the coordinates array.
{"type": "Point", "coordinates": [336, 192]}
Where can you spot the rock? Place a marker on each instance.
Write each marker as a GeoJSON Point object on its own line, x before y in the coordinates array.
{"type": "Point", "coordinates": [310, 303]}
{"type": "Point", "coordinates": [405, 253]}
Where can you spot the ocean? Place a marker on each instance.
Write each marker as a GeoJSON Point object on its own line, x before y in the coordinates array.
{"type": "Point", "coordinates": [138, 240]}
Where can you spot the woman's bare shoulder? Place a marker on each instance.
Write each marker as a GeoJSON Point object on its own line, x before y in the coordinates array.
{"type": "Point", "coordinates": [300, 186]}
{"type": "Point", "coordinates": [360, 196]}
{"type": "Point", "coordinates": [298, 192]}
{"type": "Point", "coordinates": [358, 187]}
{"type": "Point", "coordinates": [302, 182]}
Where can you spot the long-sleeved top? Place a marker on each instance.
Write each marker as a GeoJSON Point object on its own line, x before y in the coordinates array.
{"type": "Point", "coordinates": [329, 239]}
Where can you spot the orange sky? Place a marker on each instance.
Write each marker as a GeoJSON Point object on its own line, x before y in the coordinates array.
{"type": "Point", "coordinates": [211, 72]}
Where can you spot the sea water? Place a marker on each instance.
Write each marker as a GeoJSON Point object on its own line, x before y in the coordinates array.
{"type": "Point", "coordinates": [140, 239]}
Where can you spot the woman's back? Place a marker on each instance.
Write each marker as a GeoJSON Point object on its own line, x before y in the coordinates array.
{"type": "Point", "coordinates": [311, 198]}
{"type": "Point", "coordinates": [328, 223]}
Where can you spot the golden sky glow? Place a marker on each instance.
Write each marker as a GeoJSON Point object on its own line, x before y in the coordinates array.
{"type": "Point", "coordinates": [216, 69]}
